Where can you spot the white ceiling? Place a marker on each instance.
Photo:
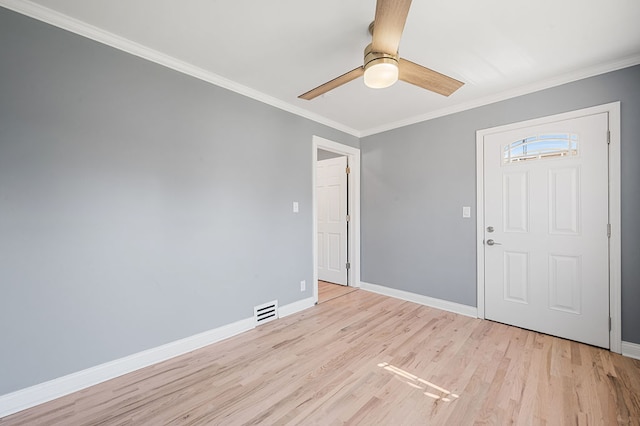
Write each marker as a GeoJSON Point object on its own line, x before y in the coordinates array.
{"type": "Point", "coordinates": [275, 50]}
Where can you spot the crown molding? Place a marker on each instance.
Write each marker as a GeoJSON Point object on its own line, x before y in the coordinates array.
{"type": "Point", "coordinates": [92, 32]}
{"type": "Point", "coordinates": [509, 94]}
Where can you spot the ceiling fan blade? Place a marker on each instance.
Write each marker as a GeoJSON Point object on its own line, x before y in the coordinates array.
{"type": "Point", "coordinates": [330, 85]}
{"type": "Point", "coordinates": [388, 25]}
{"type": "Point", "coordinates": [427, 78]}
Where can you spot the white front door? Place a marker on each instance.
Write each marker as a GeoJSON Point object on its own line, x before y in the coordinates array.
{"type": "Point", "coordinates": [331, 190]}
{"type": "Point", "coordinates": [546, 245]}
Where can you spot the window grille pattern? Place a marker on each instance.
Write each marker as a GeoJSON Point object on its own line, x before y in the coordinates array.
{"type": "Point", "coordinates": [556, 145]}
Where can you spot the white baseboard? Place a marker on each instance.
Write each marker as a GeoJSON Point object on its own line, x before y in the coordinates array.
{"type": "Point", "coordinates": [632, 350]}
{"type": "Point", "coordinates": [295, 307]}
{"type": "Point", "coordinates": [38, 394]}
{"type": "Point", "coordinates": [445, 305]}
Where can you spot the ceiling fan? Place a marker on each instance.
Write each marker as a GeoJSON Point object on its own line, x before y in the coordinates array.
{"type": "Point", "coordinates": [382, 65]}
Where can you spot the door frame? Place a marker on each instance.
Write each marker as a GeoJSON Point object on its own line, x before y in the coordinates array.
{"type": "Point", "coordinates": [615, 265]}
{"type": "Point", "coordinates": [353, 202]}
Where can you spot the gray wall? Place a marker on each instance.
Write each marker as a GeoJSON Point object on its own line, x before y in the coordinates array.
{"type": "Point", "coordinates": [138, 205]}
{"type": "Point", "coordinates": [416, 179]}
{"type": "Point", "coordinates": [327, 155]}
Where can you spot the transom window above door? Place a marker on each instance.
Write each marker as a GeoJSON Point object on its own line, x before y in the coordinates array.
{"type": "Point", "coordinates": [538, 147]}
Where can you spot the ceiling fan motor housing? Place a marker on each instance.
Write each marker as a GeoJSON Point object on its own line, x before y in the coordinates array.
{"type": "Point", "coordinates": [371, 57]}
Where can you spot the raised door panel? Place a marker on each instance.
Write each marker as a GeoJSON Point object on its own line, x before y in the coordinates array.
{"type": "Point", "coordinates": [515, 201]}
{"type": "Point", "coordinates": [516, 277]}
{"type": "Point", "coordinates": [564, 201]}
{"type": "Point", "coordinates": [565, 283]}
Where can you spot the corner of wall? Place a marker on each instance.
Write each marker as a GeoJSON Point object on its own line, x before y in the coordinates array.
{"type": "Point", "coordinates": [631, 350]}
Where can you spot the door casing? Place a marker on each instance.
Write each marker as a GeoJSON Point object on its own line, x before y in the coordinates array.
{"type": "Point", "coordinates": [615, 266]}
{"type": "Point", "coordinates": [353, 201]}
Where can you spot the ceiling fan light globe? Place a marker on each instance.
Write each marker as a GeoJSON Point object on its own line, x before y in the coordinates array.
{"type": "Point", "coordinates": [380, 74]}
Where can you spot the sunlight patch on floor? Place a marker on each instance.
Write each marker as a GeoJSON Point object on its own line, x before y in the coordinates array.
{"type": "Point", "coordinates": [421, 384]}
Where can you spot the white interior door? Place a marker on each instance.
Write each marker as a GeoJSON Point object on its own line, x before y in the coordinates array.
{"type": "Point", "coordinates": [546, 222]}
{"type": "Point", "coordinates": [331, 190]}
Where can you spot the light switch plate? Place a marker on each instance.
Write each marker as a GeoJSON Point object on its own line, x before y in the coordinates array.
{"type": "Point", "coordinates": [296, 207]}
{"type": "Point", "coordinates": [466, 211]}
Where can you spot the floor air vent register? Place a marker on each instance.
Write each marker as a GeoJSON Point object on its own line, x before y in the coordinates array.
{"type": "Point", "coordinates": [265, 312]}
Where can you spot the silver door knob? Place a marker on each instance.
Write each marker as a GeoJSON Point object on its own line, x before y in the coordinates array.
{"type": "Point", "coordinates": [493, 243]}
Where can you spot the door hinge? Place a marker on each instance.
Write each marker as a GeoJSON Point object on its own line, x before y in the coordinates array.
{"type": "Point", "coordinates": [608, 136]}
{"type": "Point", "coordinates": [348, 265]}
{"type": "Point", "coordinates": [609, 323]}
{"type": "Point", "coordinates": [348, 218]}
{"type": "Point", "coordinates": [348, 170]}
{"type": "Point", "coordinates": [608, 230]}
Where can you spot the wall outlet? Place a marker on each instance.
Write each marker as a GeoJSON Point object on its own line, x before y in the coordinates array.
{"type": "Point", "coordinates": [303, 285]}
{"type": "Point", "coordinates": [296, 207]}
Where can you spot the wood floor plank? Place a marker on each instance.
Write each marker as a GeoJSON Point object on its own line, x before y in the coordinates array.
{"type": "Point", "coordinates": [363, 358]}
{"type": "Point", "coordinates": [328, 291]}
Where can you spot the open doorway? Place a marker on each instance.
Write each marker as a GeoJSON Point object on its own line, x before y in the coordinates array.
{"type": "Point", "coordinates": [336, 242]}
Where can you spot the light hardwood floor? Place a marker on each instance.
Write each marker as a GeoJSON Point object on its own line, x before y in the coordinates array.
{"type": "Point", "coordinates": [367, 359]}
{"type": "Point", "coordinates": [328, 291]}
